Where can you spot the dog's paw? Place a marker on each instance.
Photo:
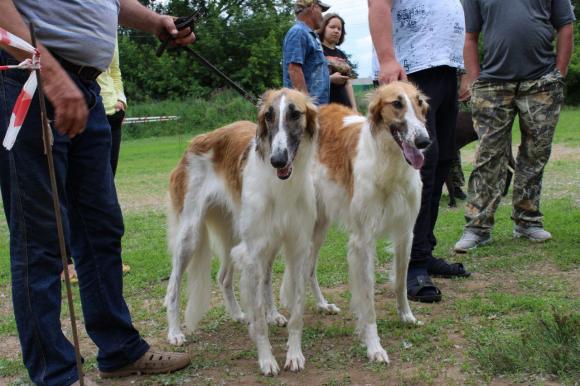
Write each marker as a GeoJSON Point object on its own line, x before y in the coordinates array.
{"type": "Point", "coordinates": [410, 319]}
{"type": "Point", "coordinates": [269, 366]}
{"type": "Point", "coordinates": [378, 354]}
{"type": "Point", "coordinates": [295, 361]}
{"type": "Point", "coordinates": [328, 308]}
{"type": "Point", "coordinates": [239, 317]}
{"type": "Point", "coordinates": [277, 319]}
{"type": "Point", "coordinates": [176, 338]}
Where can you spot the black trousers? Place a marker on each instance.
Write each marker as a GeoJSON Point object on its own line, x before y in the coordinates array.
{"type": "Point", "coordinates": [115, 120]}
{"type": "Point", "coordinates": [440, 85]}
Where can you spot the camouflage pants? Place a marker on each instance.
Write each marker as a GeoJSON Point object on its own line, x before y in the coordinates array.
{"type": "Point", "coordinates": [494, 107]}
{"type": "Point", "coordinates": [456, 173]}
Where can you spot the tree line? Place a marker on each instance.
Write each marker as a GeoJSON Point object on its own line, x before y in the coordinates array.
{"type": "Point", "coordinates": [243, 38]}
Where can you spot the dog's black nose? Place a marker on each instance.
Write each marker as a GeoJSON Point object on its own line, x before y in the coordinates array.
{"type": "Point", "coordinates": [422, 142]}
{"type": "Point", "coordinates": [279, 159]}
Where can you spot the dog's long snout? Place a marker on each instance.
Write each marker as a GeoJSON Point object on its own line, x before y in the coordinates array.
{"type": "Point", "coordinates": [422, 142]}
{"type": "Point", "coordinates": [279, 159]}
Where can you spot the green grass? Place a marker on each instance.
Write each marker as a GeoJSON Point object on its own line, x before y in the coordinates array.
{"type": "Point", "coordinates": [546, 343]}
{"type": "Point", "coordinates": [516, 319]}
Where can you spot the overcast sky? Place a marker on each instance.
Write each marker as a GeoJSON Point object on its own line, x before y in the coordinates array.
{"type": "Point", "coordinates": [358, 39]}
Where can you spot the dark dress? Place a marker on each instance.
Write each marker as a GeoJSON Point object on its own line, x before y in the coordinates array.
{"type": "Point", "coordinates": [338, 62]}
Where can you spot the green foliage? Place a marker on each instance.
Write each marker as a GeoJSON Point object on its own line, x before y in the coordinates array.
{"type": "Point", "coordinates": [573, 78]}
{"type": "Point", "coordinates": [241, 38]}
{"type": "Point", "coordinates": [196, 115]}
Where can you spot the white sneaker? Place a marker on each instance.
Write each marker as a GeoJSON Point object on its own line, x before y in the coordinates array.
{"type": "Point", "coordinates": [533, 233]}
{"type": "Point", "coordinates": [471, 240]}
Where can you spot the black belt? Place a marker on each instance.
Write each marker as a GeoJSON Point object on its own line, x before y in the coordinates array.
{"type": "Point", "coordinates": [85, 73]}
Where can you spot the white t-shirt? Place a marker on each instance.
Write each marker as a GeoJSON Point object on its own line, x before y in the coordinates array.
{"type": "Point", "coordinates": [428, 33]}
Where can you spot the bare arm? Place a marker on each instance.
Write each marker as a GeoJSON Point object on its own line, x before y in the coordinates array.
{"type": "Point", "coordinates": [471, 59]}
{"type": "Point", "coordinates": [381, 27]}
{"type": "Point", "coordinates": [564, 47]}
{"type": "Point", "coordinates": [69, 104]}
{"type": "Point", "coordinates": [297, 77]}
{"type": "Point", "coordinates": [135, 15]}
{"type": "Point", "coordinates": [350, 92]}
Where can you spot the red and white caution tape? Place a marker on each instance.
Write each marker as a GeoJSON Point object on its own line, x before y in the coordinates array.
{"type": "Point", "coordinates": [26, 64]}
{"type": "Point", "coordinates": [162, 118]}
{"type": "Point", "coordinates": [19, 112]}
{"type": "Point", "coordinates": [25, 97]}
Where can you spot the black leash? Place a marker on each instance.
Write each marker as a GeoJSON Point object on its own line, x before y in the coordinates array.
{"type": "Point", "coordinates": [184, 22]}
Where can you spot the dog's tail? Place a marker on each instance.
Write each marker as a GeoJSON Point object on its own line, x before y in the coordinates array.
{"type": "Point", "coordinates": [198, 281]}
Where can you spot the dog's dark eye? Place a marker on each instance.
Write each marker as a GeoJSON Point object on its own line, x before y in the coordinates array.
{"type": "Point", "coordinates": [397, 104]}
{"type": "Point", "coordinates": [269, 116]}
{"type": "Point", "coordinates": [295, 115]}
{"type": "Point", "coordinates": [420, 102]}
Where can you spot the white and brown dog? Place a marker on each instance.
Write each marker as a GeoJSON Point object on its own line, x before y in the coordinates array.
{"type": "Point", "coordinates": [367, 179]}
{"type": "Point", "coordinates": [250, 187]}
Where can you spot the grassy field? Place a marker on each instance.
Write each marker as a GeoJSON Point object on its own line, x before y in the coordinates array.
{"type": "Point", "coordinates": [516, 320]}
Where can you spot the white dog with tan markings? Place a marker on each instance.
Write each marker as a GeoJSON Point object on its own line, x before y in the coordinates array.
{"type": "Point", "coordinates": [248, 186]}
{"type": "Point", "coordinates": [367, 179]}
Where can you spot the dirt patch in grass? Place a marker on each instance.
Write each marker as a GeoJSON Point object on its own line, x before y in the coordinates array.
{"type": "Point", "coordinates": [436, 353]}
{"type": "Point", "coordinates": [10, 348]}
{"type": "Point", "coordinates": [131, 203]}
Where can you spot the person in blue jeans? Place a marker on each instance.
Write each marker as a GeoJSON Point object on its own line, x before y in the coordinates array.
{"type": "Point", "coordinates": [304, 66]}
{"type": "Point", "coordinates": [90, 210]}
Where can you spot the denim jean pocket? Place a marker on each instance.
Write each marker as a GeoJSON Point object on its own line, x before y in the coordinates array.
{"type": "Point", "coordinates": [15, 78]}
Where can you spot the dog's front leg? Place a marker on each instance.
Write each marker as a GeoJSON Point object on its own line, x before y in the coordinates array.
{"type": "Point", "coordinates": [252, 291]}
{"type": "Point", "coordinates": [401, 265]}
{"type": "Point", "coordinates": [273, 316]}
{"type": "Point", "coordinates": [361, 258]}
{"type": "Point", "coordinates": [295, 265]}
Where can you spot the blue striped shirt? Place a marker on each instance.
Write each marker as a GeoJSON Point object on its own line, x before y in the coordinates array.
{"type": "Point", "coordinates": [80, 31]}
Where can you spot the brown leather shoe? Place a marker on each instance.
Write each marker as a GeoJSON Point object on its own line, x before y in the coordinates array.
{"type": "Point", "coordinates": [152, 362]}
{"type": "Point", "coordinates": [86, 382]}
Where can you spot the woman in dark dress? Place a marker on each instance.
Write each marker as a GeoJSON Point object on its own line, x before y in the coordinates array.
{"type": "Point", "coordinates": [332, 35]}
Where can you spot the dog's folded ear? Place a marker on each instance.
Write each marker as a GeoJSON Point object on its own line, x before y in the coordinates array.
{"type": "Point", "coordinates": [423, 104]}
{"type": "Point", "coordinates": [262, 108]}
{"type": "Point", "coordinates": [312, 125]}
{"type": "Point", "coordinates": [375, 107]}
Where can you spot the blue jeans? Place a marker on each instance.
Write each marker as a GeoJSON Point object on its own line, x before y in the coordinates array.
{"type": "Point", "coordinates": [93, 227]}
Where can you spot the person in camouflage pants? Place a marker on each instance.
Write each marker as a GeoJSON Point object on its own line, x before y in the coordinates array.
{"type": "Point", "coordinates": [495, 105]}
{"type": "Point", "coordinates": [520, 74]}
{"type": "Point", "coordinates": [456, 174]}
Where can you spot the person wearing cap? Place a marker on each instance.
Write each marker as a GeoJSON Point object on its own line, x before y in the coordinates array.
{"type": "Point", "coordinates": [304, 66]}
{"type": "Point", "coordinates": [422, 41]}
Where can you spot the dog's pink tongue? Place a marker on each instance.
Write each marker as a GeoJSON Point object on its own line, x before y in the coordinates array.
{"type": "Point", "coordinates": [284, 173]}
{"type": "Point", "coordinates": [413, 155]}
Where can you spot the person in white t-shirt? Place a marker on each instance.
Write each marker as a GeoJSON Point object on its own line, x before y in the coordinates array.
{"type": "Point", "coordinates": [422, 41]}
